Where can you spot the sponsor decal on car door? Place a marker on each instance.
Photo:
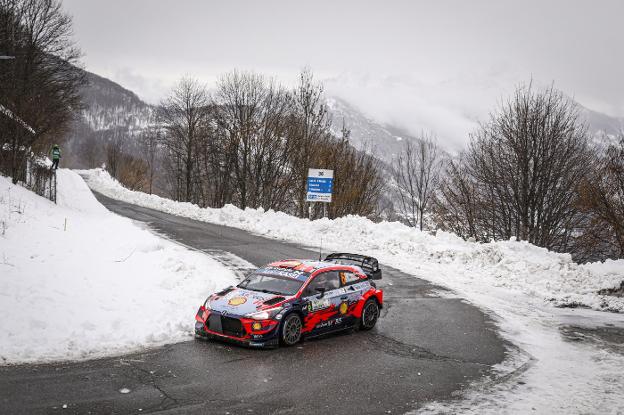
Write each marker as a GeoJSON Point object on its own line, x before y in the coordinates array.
{"type": "Point", "coordinates": [323, 308]}
{"type": "Point", "coordinates": [353, 288]}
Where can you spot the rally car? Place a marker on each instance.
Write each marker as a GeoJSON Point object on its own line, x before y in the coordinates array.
{"type": "Point", "coordinates": [289, 300]}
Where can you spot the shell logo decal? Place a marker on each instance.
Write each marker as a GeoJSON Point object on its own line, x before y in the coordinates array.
{"type": "Point", "coordinates": [236, 301]}
{"type": "Point", "coordinates": [343, 308]}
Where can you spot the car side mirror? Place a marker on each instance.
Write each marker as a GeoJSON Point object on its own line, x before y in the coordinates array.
{"type": "Point", "coordinates": [321, 291]}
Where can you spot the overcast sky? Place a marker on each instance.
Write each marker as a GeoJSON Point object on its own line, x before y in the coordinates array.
{"type": "Point", "coordinates": [435, 65]}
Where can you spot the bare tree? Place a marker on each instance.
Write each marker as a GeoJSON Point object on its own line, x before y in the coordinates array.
{"type": "Point", "coordinates": [417, 171]}
{"type": "Point", "coordinates": [456, 205]}
{"type": "Point", "coordinates": [114, 153]}
{"type": "Point", "coordinates": [271, 172]}
{"type": "Point", "coordinates": [182, 115]}
{"type": "Point", "coordinates": [41, 85]}
{"type": "Point", "coordinates": [519, 176]}
{"type": "Point", "coordinates": [252, 145]}
{"type": "Point", "coordinates": [311, 125]}
{"type": "Point", "coordinates": [601, 195]}
{"type": "Point", "coordinates": [148, 142]}
{"type": "Point", "coordinates": [216, 155]}
{"type": "Point", "coordinates": [252, 116]}
{"type": "Point", "coordinates": [132, 172]}
{"type": "Point", "coordinates": [240, 99]}
{"type": "Point", "coordinates": [358, 183]}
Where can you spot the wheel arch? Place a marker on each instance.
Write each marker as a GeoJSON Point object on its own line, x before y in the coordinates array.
{"type": "Point", "coordinates": [292, 311]}
{"type": "Point", "coordinates": [376, 295]}
{"type": "Point", "coordinates": [280, 331]}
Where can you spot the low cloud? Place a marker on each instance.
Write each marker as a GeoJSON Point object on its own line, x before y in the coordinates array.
{"type": "Point", "coordinates": [449, 108]}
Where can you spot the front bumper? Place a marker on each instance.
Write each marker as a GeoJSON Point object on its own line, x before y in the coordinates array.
{"type": "Point", "coordinates": [202, 333]}
{"type": "Point", "coordinates": [236, 329]}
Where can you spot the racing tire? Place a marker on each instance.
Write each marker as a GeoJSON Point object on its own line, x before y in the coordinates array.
{"type": "Point", "coordinates": [370, 314]}
{"type": "Point", "coordinates": [291, 330]}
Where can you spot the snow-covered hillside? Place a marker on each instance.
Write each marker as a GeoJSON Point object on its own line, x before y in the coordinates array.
{"type": "Point", "coordinates": [110, 111]}
{"type": "Point", "coordinates": [366, 134]}
{"type": "Point", "coordinates": [108, 106]}
{"type": "Point", "coordinates": [77, 281]}
{"type": "Point", "coordinates": [519, 284]}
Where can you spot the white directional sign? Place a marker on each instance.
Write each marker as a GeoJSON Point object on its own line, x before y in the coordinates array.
{"type": "Point", "coordinates": [320, 185]}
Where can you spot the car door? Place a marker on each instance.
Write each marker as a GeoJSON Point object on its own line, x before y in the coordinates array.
{"type": "Point", "coordinates": [322, 308]}
{"type": "Point", "coordinates": [352, 289]}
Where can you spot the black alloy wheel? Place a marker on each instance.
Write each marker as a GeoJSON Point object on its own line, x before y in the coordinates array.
{"type": "Point", "coordinates": [370, 314]}
{"type": "Point", "coordinates": [291, 330]}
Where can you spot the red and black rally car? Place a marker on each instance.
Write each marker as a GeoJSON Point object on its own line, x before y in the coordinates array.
{"type": "Point", "coordinates": [291, 299]}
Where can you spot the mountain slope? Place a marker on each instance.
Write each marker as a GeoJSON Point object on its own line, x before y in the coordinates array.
{"type": "Point", "coordinates": [366, 134]}
{"type": "Point", "coordinates": [110, 111]}
{"type": "Point", "coordinates": [385, 141]}
{"type": "Point", "coordinates": [109, 105]}
{"type": "Point", "coordinates": [600, 124]}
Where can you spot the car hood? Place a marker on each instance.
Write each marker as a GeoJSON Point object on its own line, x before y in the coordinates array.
{"type": "Point", "coordinates": [239, 301]}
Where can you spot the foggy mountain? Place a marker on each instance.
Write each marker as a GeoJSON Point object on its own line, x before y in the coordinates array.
{"type": "Point", "coordinates": [366, 133]}
{"type": "Point", "coordinates": [111, 109]}
{"type": "Point", "coordinates": [385, 140]}
{"type": "Point", "coordinates": [600, 124]}
{"type": "Point", "coordinates": [109, 104]}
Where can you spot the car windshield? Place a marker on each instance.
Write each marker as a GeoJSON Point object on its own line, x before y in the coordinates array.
{"type": "Point", "coordinates": [273, 284]}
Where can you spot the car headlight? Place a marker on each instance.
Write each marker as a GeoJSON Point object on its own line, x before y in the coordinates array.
{"type": "Point", "coordinates": [264, 315]}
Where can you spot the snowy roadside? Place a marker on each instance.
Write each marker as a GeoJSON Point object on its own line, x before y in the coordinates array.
{"type": "Point", "coordinates": [511, 266]}
{"type": "Point", "coordinates": [78, 282]}
{"type": "Point", "coordinates": [518, 283]}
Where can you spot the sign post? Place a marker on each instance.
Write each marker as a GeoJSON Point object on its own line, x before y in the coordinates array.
{"type": "Point", "coordinates": [320, 186]}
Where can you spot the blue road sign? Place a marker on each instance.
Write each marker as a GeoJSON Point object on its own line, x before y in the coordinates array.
{"type": "Point", "coordinates": [320, 185]}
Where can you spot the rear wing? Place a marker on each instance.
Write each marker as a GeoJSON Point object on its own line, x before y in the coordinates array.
{"type": "Point", "coordinates": [369, 265]}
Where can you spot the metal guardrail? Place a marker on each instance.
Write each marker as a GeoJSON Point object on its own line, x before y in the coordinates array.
{"type": "Point", "coordinates": [41, 180]}
{"type": "Point", "coordinates": [33, 175]}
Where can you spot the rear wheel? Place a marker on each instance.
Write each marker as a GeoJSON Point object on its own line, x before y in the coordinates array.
{"type": "Point", "coordinates": [291, 330]}
{"type": "Point", "coordinates": [370, 314]}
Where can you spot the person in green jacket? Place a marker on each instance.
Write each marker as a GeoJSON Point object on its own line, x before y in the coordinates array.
{"type": "Point", "coordinates": [56, 156]}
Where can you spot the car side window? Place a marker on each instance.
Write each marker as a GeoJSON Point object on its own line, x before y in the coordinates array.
{"type": "Point", "coordinates": [329, 280]}
{"type": "Point", "coordinates": [347, 278]}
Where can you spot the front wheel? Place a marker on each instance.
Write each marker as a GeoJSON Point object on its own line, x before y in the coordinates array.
{"type": "Point", "coordinates": [370, 314]}
{"type": "Point", "coordinates": [291, 330]}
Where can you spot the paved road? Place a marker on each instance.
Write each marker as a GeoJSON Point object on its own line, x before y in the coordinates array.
{"type": "Point", "coordinates": [425, 347]}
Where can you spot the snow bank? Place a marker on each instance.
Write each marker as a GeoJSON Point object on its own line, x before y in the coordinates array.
{"type": "Point", "coordinates": [77, 281]}
{"type": "Point", "coordinates": [445, 258]}
{"type": "Point", "coordinates": [517, 281]}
